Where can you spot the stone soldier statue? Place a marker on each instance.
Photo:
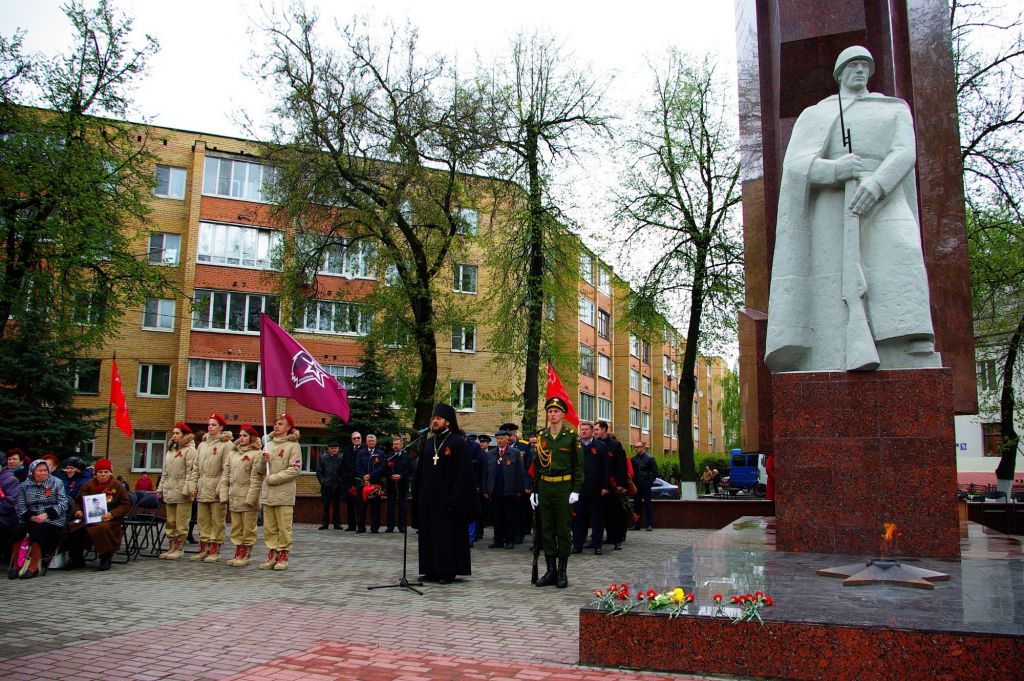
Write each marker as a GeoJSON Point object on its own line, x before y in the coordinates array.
{"type": "Point", "coordinates": [848, 289]}
{"type": "Point", "coordinates": [558, 476]}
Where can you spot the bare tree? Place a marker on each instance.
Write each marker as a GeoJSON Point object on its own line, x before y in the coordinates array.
{"type": "Point", "coordinates": [374, 144]}
{"type": "Point", "coordinates": [542, 107]}
{"type": "Point", "coordinates": [677, 203]}
{"type": "Point", "coordinates": [988, 53]}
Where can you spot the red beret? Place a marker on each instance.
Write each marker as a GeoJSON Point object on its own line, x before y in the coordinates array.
{"type": "Point", "coordinates": [182, 427]}
{"type": "Point", "coordinates": [252, 431]}
{"type": "Point", "coordinates": [289, 419]}
{"type": "Point", "coordinates": [219, 419]}
{"type": "Point", "coordinates": [103, 465]}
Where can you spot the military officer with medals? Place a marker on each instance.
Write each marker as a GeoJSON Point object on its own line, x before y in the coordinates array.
{"type": "Point", "coordinates": [558, 479]}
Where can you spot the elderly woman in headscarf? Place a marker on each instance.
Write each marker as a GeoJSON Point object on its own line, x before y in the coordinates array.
{"type": "Point", "coordinates": [43, 508]}
{"type": "Point", "coordinates": [106, 534]}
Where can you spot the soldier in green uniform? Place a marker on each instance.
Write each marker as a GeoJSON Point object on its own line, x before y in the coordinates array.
{"type": "Point", "coordinates": [558, 476]}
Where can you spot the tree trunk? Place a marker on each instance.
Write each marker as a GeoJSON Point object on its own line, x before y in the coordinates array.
{"type": "Point", "coordinates": [687, 382]}
{"type": "Point", "coordinates": [1008, 456]}
{"type": "Point", "coordinates": [534, 283]}
{"type": "Point", "coordinates": [426, 347]}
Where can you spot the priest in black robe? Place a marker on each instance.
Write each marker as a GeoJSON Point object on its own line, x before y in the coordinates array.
{"type": "Point", "coordinates": [444, 500]}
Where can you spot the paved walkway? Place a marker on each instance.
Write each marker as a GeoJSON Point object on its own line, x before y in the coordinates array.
{"type": "Point", "coordinates": [155, 619]}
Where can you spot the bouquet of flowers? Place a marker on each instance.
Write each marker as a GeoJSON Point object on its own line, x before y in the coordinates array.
{"type": "Point", "coordinates": [675, 599]}
{"type": "Point", "coordinates": [750, 606]}
{"type": "Point", "coordinates": [616, 599]}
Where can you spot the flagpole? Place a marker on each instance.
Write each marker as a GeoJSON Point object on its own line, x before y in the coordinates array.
{"type": "Point", "coordinates": [110, 410]}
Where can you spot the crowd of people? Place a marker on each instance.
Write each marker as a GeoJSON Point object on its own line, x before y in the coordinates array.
{"type": "Point", "coordinates": [577, 488]}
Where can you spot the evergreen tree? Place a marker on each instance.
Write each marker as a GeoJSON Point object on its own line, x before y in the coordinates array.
{"type": "Point", "coordinates": [370, 395]}
{"type": "Point", "coordinates": [37, 400]}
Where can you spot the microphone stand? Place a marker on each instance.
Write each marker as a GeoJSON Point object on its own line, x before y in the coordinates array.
{"type": "Point", "coordinates": [403, 581]}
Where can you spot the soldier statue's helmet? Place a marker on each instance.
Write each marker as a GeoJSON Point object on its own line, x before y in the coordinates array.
{"type": "Point", "coordinates": [850, 54]}
{"type": "Point", "coordinates": [556, 403]}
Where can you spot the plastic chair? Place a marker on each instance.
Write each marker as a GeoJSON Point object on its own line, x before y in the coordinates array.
{"type": "Point", "coordinates": [149, 525]}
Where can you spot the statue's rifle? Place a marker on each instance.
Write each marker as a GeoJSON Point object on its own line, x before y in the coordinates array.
{"type": "Point", "coordinates": [860, 343]}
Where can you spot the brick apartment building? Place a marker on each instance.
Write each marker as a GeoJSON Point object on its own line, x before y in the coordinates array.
{"type": "Point", "coordinates": [183, 357]}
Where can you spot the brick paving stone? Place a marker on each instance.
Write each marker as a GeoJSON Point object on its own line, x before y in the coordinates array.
{"type": "Point", "coordinates": [212, 621]}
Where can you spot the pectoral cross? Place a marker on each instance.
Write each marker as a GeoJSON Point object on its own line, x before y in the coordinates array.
{"type": "Point", "coordinates": [435, 458]}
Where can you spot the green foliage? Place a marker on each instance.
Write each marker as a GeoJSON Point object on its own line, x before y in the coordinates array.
{"type": "Point", "coordinates": [36, 400]}
{"type": "Point", "coordinates": [729, 406]}
{"type": "Point", "coordinates": [74, 188]}
{"type": "Point", "coordinates": [369, 398]}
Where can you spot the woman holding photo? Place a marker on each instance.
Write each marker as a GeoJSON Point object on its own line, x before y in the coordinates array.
{"type": "Point", "coordinates": [106, 534]}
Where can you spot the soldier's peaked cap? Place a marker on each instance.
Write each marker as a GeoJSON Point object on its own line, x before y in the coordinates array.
{"type": "Point", "coordinates": [557, 403]}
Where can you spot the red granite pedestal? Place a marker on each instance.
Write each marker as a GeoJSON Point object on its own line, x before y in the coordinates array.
{"type": "Point", "coordinates": [856, 450]}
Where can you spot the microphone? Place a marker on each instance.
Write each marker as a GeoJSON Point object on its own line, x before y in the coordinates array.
{"type": "Point", "coordinates": [423, 430]}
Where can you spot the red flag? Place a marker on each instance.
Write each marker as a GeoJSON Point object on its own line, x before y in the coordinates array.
{"type": "Point", "coordinates": [556, 389]}
{"type": "Point", "coordinates": [290, 371]}
{"type": "Point", "coordinates": [124, 422]}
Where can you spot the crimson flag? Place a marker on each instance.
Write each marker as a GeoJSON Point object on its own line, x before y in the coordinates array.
{"type": "Point", "coordinates": [556, 389]}
{"type": "Point", "coordinates": [124, 422]}
{"type": "Point", "coordinates": [290, 371]}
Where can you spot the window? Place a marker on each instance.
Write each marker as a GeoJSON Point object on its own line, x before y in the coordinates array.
{"type": "Point", "coordinates": [469, 221]}
{"type": "Point", "coordinates": [992, 439]}
{"type": "Point", "coordinates": [343, 372]}
{"type": "Point", "coordinates": [328, 316]}
{"type": "Point", "coordinates": [634, 379]}
{"type": "Point", "coordinates": [215, 374]}
{"type": "Point", "coordinates": [237, 246]}
{"type": "Point", "coordinates": [586, 310]}
{"type": "Point", "coordinates": [391, 276]}
{"type": "Point", "coordinates": [604, 366]}
{"type": "Point", "coordinates": [666, 396]}
{"type": "Point", "coordinates": [696, 413]}
{"type": "Point", "coordinates": [987, 379]}
{"type": "Point", "coordinates": [604, 280]}
{"type": "Point", "coordinates": [604, 324]}
{"type": "Point", "coordinates": [87, 377]}
{"type": "Point", "coordinates": [148, 448]}
{"type": "Point", "coordinates": [709, 372]}
{"type": "Point", "coordinates": [464, 280]}
{"type": "Point", "coordinates": [237, 179]}
{"type": "Point", "coordinates": [464, 338]}
{"type": "Point", "coordinates": [310, 455]}
{"type": "Point", "coordinates": [158, 314]}
{"type": "Point", "coordinates": [549, 306]}
{"type": "Point", "coordinates": [586, 407]}
{"type": "Point", "coordinates": [170, 182]}
{"type": "Point", "coordinates": [710, 418]}
{"type": "Point", "coordinates": [645, 421]}
{"type": "Point", "coordinates": [634, 417]}
{"type": "Point", "coordinates": [696, 435]}
{"type": "Point", "coordinates": [463, 395]}
{"type": "Point", "coordinates": [89, 308]}
{"type": "Point", "coordinates": [670, 427]}
{"type": "Point", "coordinates": [164, 248]}
{"type": "Point", "coordinates": [587, 268]}
{"type": "Point", "coordinates": [586, 360]}
{"type": "Point", "coordinates": [666, 365]}
{"type": "Point", "coordinates": [230, 311]}
{"type": "Point", "coordinates": [645, 352]}
{"type": "Point", "coordinates": [711, 441]}
{"type": "Point", "coordinates": [675, 399]}
{"type": "Point", "coordinates": [634, 346]}
{"type": "Point", "coordinates": [339, 257]}
{"type": "Point", "coordinates": [645, 385]}
{"type": "Point", "coordinates": [154, 380]}
{"type": "Point", "coordinates": [604, 409]}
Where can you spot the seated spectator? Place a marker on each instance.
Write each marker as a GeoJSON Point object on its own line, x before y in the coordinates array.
{"type": "Point", "coordinates": [144, 484]}
{"type": "Point", "coordinates": [121, 481]}
{"type": "Point", "coordinates": [106, 534]}
{"type": "Point", "coordinates": [17, 464]}
{"type": "Point", "coordinates": [76, 474]}
{"type": "Point", "coordinates": [42, 508]}
{"type": "Point", "coordinates": [9, 487]}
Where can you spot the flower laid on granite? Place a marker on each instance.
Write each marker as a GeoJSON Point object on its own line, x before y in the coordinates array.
{"type": "Point", "coordinates": [676, 599]}
{"type": "Point", "coordinates": [750, 606]}
{"type": "Point", "coordinates": [616, 600]}
{"type": "Point", "coordinates": [717, 598]}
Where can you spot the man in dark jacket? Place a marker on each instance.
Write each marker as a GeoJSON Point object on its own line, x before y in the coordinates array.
{"type": "Point", "coordinates": [596, 486]}
{"type": "Point", "coordinates": [397, 469]}
{"type": "Point", "coordinates": [503, 487]}
{"type": "Point", "coordinates": [614, 519]}
{"type": "Point", "coordinates": [370, 470]}
{"type": "Point", "coordinates": [645, 472]}
{"type": "Point", "coordinates": [328, 474]}
{"type": "Point", "coordinates": [350, 489]}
